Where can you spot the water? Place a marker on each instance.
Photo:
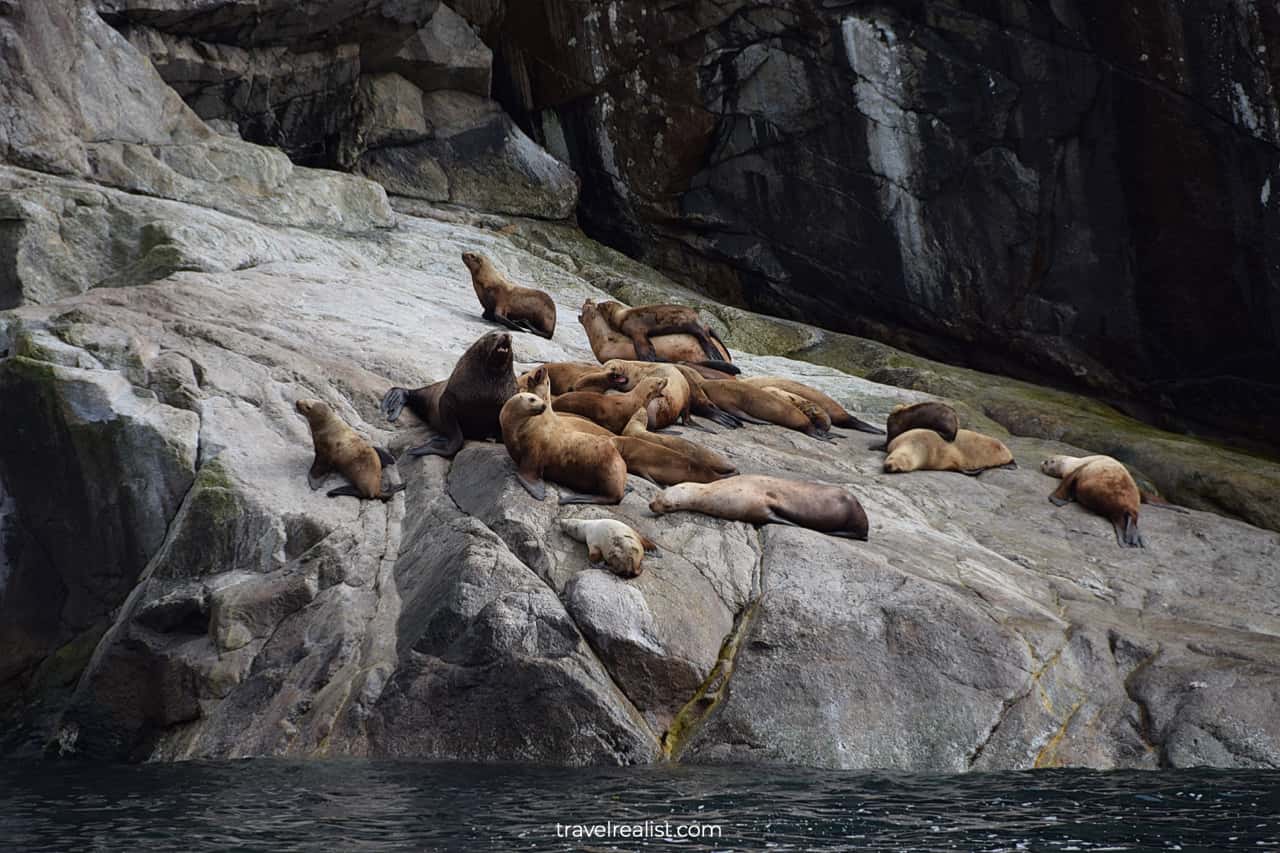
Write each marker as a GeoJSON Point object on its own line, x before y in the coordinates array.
{"type": "Point", "coordinates": [356, 805]}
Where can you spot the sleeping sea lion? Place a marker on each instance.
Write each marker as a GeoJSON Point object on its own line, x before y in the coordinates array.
{"type": "Point", "coordinates": [770, 500]}
{"type": "Point", "coordinates": [644, 322]}
{"type": "Point", "coordinates": [610, 544]}
{"type": "Point", "coordinates": [662, 465]}
{"type": "Point", "coordinates": [924, 450]}
{"type": "Point", "coordinates": [840, 417]}
{"type": "Point", "coordinates": [636, 428]}
{"type": "Point", "coordinates": [1101, 484]}
{"type": "Point", "coordinates": [521, 308]}
{"type": "Point", "coordinates": [541, 446]}
{"type": "Point", "coordinates": [340, 449]}
{"type": "Point", "coordinates": [607, 342]}
{"type": "Point", "coordinates": [612, 410]}
{"type": "Point", "coordinates": [466, 405]}
{"type": "Point", "coordinates": [758, 406]}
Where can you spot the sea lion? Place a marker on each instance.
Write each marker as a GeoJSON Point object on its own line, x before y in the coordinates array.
{"type": "Point", "coordinates": [563, 374]}
{"type": "Point", "coordinates": [521, 308]}
{"type": "Point", "coordinates": [636, 428]}
{"type": "Point", "coordinates": [541, 446]}
{"type": "Point", "coordinates": [662, 465]}
{"type": "Point", "coordinates": [924, 450]}
{"type": "Point", "coordinates": [840, 417]}
{"type": "Point", "coordinates": [933, 415]}
{"type": "Point", "coordinates": [467, 404]}
{"type": "Point", "coordinates": [612, 410]}
{"type": "Point", "coordinates": [607, 342]}
{"type": "Point", "coordinates": [816, 414]}
{"type": "Point", "coordinates": [340, 449]}
{"type": "Point", "coordinates": [538, 383]}
{"type": "Point", "coordinates": [770, 500]}
{"type": "Point", "coordinates": [1103, 485]}
{"type": "Point", "coordinates": [622, 375]}
{"type": "Point", "coordinates": [610, 544]}
{"type": "Point", "coordinates": [644, 322]}
{"type": "Point", "coordinates": [758, 406]}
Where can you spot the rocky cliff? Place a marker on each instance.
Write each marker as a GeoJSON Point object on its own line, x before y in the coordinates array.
{"type": "Point", "coordinates": [1079, 190]}
{"type": "Point", "coordinates": [171, 588]}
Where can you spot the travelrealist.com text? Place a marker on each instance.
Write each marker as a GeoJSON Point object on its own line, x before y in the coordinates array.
{"type": "Point", "coordinates": [645, 829]}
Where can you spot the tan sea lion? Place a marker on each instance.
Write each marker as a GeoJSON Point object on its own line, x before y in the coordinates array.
{"type": "Point", "coordinates": [538, 383]}
{"type": "Point", "coordinates": [340, 449]}
{"type": "Point", "coordinates": [644, 322]}
{"type": "Point", "coordinates": [610, 544]}
{"type": "Point", "coordinates": [607, 342]}
{"type": "Point", "coordinates": [503, 301]}
{"type": "Point", "coordinates": [758, 406]}
{"type": "Point", "coordinates": [770, 500]}
{"type": "Point", "coordinates": [840, 417]}
{"type": "Point", "coordinates": [623, 375]}
{"type": "Point", "coordinates": [924, 450]}
{"type": "Point", "coordinates": [816, 414]}
{"type": "Point", "coordinates": [636, 428]}
{"type": "Point", "coordinates": [933, 415]}
{"type": "Point", "coordinates": [662, 465]}
{"type": "Point", "coordinates": [541, 447]}
{"type": "Point", "coordinates": [1101, 484]}
{"type": "Point", "coordinates": [612, 410]}
{"type": "Point", "coordinates": [466, 405]}
{"type": "Point", "coordinates": [563, 374]}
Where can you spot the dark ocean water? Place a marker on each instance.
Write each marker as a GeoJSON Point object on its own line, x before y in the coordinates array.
{"type": "Point", "coordinates": [356, 805]}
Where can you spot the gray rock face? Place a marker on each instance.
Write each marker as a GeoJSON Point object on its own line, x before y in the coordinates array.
{"type": "Point", "coordinates": [1077, 190]}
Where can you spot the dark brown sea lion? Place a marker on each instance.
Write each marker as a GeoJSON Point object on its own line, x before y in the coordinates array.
{"type": "Point", "coordinates": [924, 450]}
{"type": "Point", "coordinates": [467, 404]}
{"type": "Point", "coordinates": [611, 410]}
{"type": "Point", "coordinates": [644, 322]}
{"type": "Point", "coordinates": [933, 415]}
{"type": "Point", "coordinates": [770, 500]}
{"type": "Point", "coordinates": [608, 343]}
{"type": "Point", "coordinates": [522, 308]}
{"type": "Point", "coordinates": [1103, 485]}
{"type": "Point", "coordinates": [542, 447]}
{"type": "Point", "coordinates": [340, 449]}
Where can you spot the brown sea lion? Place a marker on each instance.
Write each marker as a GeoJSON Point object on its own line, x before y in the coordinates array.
{"type": "Point", "coordinates": [466, 405]}
{"type": "Point", "coordinates": [758, 406]}
{"type": "Point", "coordinates": [340, 449]}
{"type": "Point", "coordinates": [644, 322]}
{"type": "Point", "coordinates": [610, 544]}
{"type": "Point", "coordinates": [612, 410]}
{"type": "Point", "coordinates": [700, 404]}
{"type": "Point", "coordinates": [623, 375]}
{"type": "Point", "coordinates": [521, 308]}
{"type": "Point", "coordinates": [933, 415]}
{"type": "Point", "coordinates": [662, 465]}
{"type": "Point", "coordinates": [840, 417]}
{"type": "Point", "coordinates": [636, 428]}
{"type": "Point", "coordinates": [542, 447]}
{"type": "Point", "coordinates": [924, 450]}
{"type": "Point", "coordinates": [538, 383]}
{"type": "Point", "coordinates": [770, 500]}
{"type": "Point", "coordinates": [607, 342]}
{"type": "Point", "coordinates": [563, 374]}
{"type": "Point", "coordinates": [1101, 484]}
{"type": "Point", "coordinates": [816, 414]}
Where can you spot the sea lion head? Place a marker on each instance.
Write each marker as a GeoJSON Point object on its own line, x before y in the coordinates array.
{"type": "Point", "coordinates": [495, 350]}
{"type": "Point", "coordinates": [473, 260]}
{"type": "Point", "coordinates": [313, 410]}
{"type": "Point", "coordinates": [669, 499]}
{"type": "Point", "coordinates": [1053, 465]}
{"type": "Point", "coordinates": [526, 405]}
{"type": "Point", "coordinates": [653, 386]}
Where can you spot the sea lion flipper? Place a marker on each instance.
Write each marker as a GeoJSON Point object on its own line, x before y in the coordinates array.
{"type": "Point", "coordinates": [319, 471]}
{"type": "Point", "coordinates": [774, 517]}
{"type": "Point", "coordinates": [862, 426]}
{"type": "Point", "coordinates": [822, 436]}
{"type": "Point", "coordinates": [723, 418]}
{"type": "Point", "coordinates": [345, 492]}
{"type": "Point", "coordinates": [643, 347]}
{"type": "Point", "coordinates": [450, 439]}
{"type": "Point", "coordinates": [385, 456]}
{"type": "Point", "coordinates": [575, 498]}
{"type": "Point", "coordinates": [1063, 495]}
{"type": "Point", "coordinates": [1009, 466]}
{"type": "Point", "coordinates": [393, 403]}
{"type": "Point", "coordinates": [533, 484]}
{"type": "Point", "coordinates": [650, 547]}
{"type": "Point", "coordinates": [971, 472]}
{"type": "Point", "coordinates": [1058, 501]}
{"type": "Point", "coordinates": [722, 366]}
{"type": "Point", "coordinates": [1127, 532]}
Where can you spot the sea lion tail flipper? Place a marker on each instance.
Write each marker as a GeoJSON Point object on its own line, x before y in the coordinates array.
{"type": "Point", "coordinates": [776, 517]}
{"type": "Point", "coordinates": [1056, 501]}
{"type": "Point", "coordinates": [861, 426]}
{"type": "Point", "coordinates": [384, 456]}
{"type": "Point", "coordinates": [533, 484]}
{"type": "Point", "coordinates": [650, 547]}
{"type": "Point", "coordinates": [821, 436]}
{"type": "Point", "coordinates": [575, 498]}
{"type": "Point", "coordinates": [883, 446]}
{"type": "Point", "coordinates": [723, 418]}
{"type": "Point", "coordinates": [393, 403]}
{"type": "Point", "coordinates": [692, 424]}
{"type": "Point", "coordinates": [441, 445]}
{"type": "Point", "coordinates": [391, 491]}
{"type": "Point", "coordinates": [345, 492]}
{"type": "Point", "coordinates": [722, 366]}
{"type": "Point", "coordinates": [1011, 465]}
{"type": "Point", "coordinates": [1127, 532]}
{"type": "Point", "coordinates": [971, 472]}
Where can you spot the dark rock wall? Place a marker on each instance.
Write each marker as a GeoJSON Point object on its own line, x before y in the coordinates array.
{"type": "Point", "coordinates": [1085, 191]}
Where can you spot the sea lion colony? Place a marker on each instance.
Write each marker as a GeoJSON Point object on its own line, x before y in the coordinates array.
{"type": "Point", "coordinates": [586, 427]}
